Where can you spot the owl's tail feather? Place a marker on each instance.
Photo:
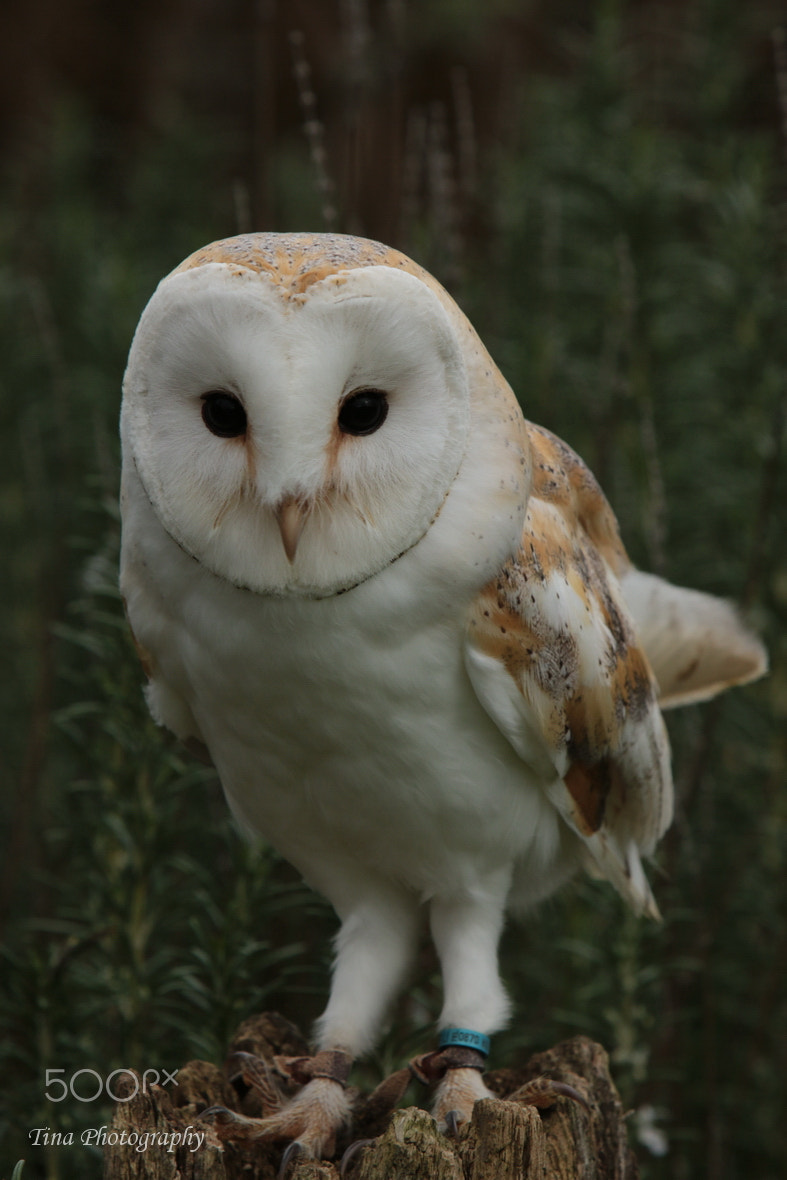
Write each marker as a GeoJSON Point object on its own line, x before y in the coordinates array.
{"type": "Point", "coordinates": [606, 858]}
{"type": "Point", "coordinates": [697, 645]}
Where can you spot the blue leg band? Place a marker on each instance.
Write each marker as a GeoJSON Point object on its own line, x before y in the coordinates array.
{"type": "Point", "coordinates": [466, 1038]}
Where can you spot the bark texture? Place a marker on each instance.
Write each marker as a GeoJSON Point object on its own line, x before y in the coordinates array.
{"type": "Point", "coordinates": [505, 1140]}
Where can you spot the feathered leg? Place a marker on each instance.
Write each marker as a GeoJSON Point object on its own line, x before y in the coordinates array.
{"type": "Point", "coordinates": [374, 948]}
{"type": "Point", "coordinates": [466, 931]}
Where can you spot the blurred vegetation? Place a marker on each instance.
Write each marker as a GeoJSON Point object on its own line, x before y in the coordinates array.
{"type": "Point", "coordinates": [612, 217]}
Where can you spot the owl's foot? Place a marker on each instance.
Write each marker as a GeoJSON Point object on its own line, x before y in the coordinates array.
{"type": "Point", "coordinates": [460, 1085]}
{"type": "Point", "coordinates": [455, 1098]}
{"type": "Point", "coordinates": [310, 1120]}
{"type": "Point", "coordinates": [457, 1072]}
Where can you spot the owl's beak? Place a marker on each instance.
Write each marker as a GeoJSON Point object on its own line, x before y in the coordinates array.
{"type": "Point", "coordinates": [291, 517]}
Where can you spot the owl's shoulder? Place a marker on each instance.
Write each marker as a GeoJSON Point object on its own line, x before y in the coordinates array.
{"type": "Point", "coordinates": [566, 491]}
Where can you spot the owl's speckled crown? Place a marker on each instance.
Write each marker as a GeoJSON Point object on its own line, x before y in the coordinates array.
{"type": "Point", "coordinates": [298, 260]}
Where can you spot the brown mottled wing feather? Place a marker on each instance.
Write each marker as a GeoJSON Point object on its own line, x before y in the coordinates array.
{"type": "Point", "coordinates": [555, 660]}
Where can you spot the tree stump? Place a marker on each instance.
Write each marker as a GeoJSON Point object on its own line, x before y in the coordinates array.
{"type": "Point", "coordinates": [505, 1140]}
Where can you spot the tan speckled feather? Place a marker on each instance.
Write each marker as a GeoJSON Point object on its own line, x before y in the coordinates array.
{"type": "Point", "coordinates": [556, 622]}
{"type": "Point", "coordinates": [295, 261]}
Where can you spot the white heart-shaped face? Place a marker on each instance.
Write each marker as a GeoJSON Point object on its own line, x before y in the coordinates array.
{"type": "Point", "coordinates": [291, 363]}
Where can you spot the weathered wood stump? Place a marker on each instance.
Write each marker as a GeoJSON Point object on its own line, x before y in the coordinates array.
{"type": "Point", "coordinates": [505, 1140]}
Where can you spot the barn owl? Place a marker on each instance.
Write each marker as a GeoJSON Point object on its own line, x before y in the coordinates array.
{"type": "Point", "coordinates": [400, 619]}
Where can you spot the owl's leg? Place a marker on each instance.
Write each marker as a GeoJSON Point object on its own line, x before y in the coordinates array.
{"type": "Point", "coordinates": [466, 932]}
{"type": "Point", "coordinates": [374, 949]}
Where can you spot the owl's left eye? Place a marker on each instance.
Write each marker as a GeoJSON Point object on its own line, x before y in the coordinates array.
{"type": "Point", "coordinates": [223, 414]}
{"type": "Point", "coordinates": [363, 412]}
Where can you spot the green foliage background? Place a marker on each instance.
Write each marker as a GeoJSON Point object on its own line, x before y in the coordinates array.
{"type": "Point", "coordinates": [620, 246]}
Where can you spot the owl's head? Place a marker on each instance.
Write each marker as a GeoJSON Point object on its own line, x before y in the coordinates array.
{"type": "Point", "coordinates": [296, 408]}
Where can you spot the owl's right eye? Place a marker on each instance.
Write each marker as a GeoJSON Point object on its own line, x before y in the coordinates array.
{"type": "Point", "coordinates": [223, 414]}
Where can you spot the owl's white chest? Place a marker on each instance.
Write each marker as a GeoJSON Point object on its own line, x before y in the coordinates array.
{"type": "Point", "coordinates": [369, 744]}
{"type": "Point", "coordinates": [346, 730]}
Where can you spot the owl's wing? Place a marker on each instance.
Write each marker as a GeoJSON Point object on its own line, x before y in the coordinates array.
{"type": "Point", "coordinates": [554, 658]}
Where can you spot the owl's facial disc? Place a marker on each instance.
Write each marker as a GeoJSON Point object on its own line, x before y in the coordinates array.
{"type": "Point", "coordinates": [295, 444]}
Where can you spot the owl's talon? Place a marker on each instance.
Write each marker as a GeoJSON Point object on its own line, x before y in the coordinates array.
{"type": "Point", "coordinates": [238, 1063]}
{"type": "Point", "coordinates": [228, 1124]}
{"type": "Point", "coordinates": [350, 1154]}
{"type": "Point", "coordinates": [455, 1098]}
{"type": "Point", "coordinates": [452, 1124]}
{"type": "Point", "coordinates": [218, 1114]}
{"type": "Point", "coordinates": [310, 1121]}
{"type": "Point", "coordinates": [543, 1092]}
{"type": "Point", "coordinates": [291, 1154]}
{"type": "Point", "coordinates": [569, 1092]}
